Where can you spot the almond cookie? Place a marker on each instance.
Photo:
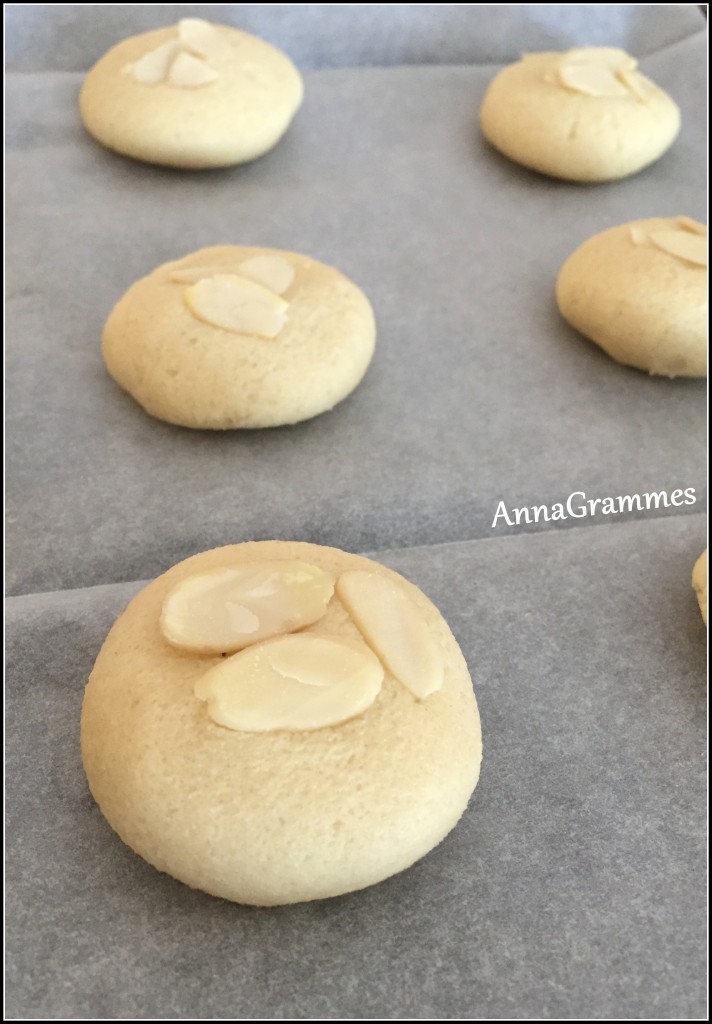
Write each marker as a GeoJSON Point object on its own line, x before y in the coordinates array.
{"type": "Point", "coordinates": [236, 336]}
{"type": "Point", "coordinates": [275, 722]}
{"type": "Point", "coordinates": [640, 292]}
{"type": "Point", "coordinates": [585, 114]}
{"type": "Point", "coordinates": [194, 95]}
{"type": "Point", "coordinates": [699, 583]}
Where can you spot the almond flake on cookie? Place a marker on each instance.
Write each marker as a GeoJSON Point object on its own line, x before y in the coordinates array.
{"type": "Point", "coordinates": [183, 62]}
{"type": "Point", "coordinates": [300, 683]}
{"type": "Point", "coordinates": [237, 304]}
{"type": "Point", "coordinates": [224, 610]}
{"type": "Point", "coordinates": [602, 71]}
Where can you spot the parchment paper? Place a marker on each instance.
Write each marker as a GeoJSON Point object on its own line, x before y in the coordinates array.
{"type": "Point", "coordinates": [573, 887]}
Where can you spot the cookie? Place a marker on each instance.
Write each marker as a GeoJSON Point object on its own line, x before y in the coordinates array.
{"type": "Point", "coordinates": [237, 336]}
{"type": "Point", "coordinates": [194, 95]}
{"type": "Point", "coordinates": [640, 292]}
{"type": "Point", "coordinates": [582, 115]}
{"type": "Point", "coordinates": [699, 582]}
{"type": "Point", "coordinates": [275, 722]}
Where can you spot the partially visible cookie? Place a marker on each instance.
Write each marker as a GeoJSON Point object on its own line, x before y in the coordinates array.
{"type": "Point", "coordinates": [238, 336]}
{"type": "Point", "coordinates": [586, 114]}
{"type": "Point", "coordinates": [195, 95]}
{"type": "Point", "coordinates": [640, 292]}
{"type": "Point", "coordinates": [276, 722]}
{"type": "Point", "coordinates": [699, 582]}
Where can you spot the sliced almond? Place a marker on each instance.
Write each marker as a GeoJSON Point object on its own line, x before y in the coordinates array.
{"type": "Point", "coordinates": [274, 272]}
{"type": "Point", "coordinates": [153, 67]}
{"type": "Point", "coordinates": [686, 246]}
{"type": "Point", "coordinates": [601, 71]}
{"type": "Point", "coordinates": [591, 79]}
{"type": "Point", "coordinates": [191, 275]}
{"type": "Point", "coordinates": [638, 236]}
{"type": "Point", "coordinates": [394, 627]}
{"type": "Point", "coordinates": [189, 72]}
{"type": "Point", "coordinates": [224, 610]}
{"type": "Point", "coordinates": [688, 224]}
{"type": "Point", "coordinates": [202, 38]}
{"type": "Point", "coordinates": [238, 305]}
{"type": "Point", "coordinates": [296, 682]}
{"type": "Point", "coordinates": [606, 56]}
{"type": "Point", "coordinates": [636, 84]}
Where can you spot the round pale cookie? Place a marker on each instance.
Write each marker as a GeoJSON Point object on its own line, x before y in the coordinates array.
{"type": "Point", "coordinates": [582, 115]}
{"type": "Point", "coordinates": [640, 292]}
{"type": "Point", "coordinates": [194, 95]}
{"type": "Point", "coordinates": [339, 744]}
{"type": "Point", "coordinates": [699, 582]}
{"type": "Point", "coordinates": [236, 336]}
